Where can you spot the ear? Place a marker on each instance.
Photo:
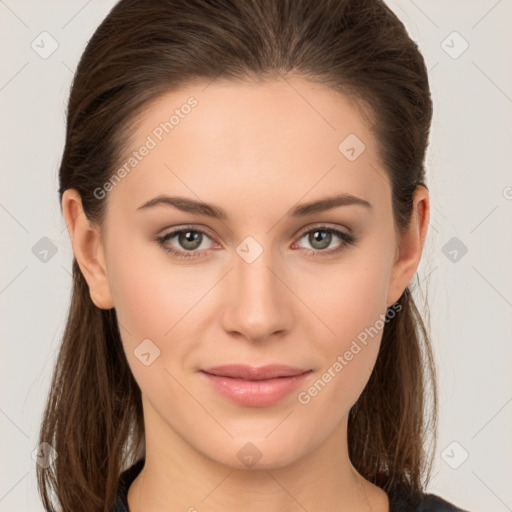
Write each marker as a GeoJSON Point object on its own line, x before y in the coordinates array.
{"type": "Point", "coordinates": [410, 246]}
{"type": "Point", "coordinates": [88, 249]}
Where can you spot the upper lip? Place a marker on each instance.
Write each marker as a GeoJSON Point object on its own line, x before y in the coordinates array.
{"type": "Point", "coordinates": [242, 371]}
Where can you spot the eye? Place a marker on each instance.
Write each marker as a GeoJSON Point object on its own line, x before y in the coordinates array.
{"type": "Point", "coordinates": [189, 239]}
{"type": "Point", "coordinates": [321, 237]}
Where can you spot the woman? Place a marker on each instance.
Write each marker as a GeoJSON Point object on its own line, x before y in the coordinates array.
{"type": "Point", "coordinates": [244, 187]}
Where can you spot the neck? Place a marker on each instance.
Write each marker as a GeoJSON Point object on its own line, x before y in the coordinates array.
{"type": "Point", "coordinates": [178, 477]}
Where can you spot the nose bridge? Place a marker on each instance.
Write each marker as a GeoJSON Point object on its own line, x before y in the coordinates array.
{"type": "Point", "coordinates": [258, 304]}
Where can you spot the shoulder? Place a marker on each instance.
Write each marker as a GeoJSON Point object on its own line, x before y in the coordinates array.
{"type": "Point", "coordinates": [434, 503]}
{"type": "Point", "coordinates": [401, 499]}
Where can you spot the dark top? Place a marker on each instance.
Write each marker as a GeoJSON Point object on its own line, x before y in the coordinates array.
{"type": "Point", "coordinates": [397, 498]}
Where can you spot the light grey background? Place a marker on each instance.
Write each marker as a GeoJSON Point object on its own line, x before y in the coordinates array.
{"type": "Point", "coordinates": [470, 178]}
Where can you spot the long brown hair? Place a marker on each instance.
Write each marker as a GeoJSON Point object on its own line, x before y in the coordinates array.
{"type": "Point", "coordinates": [145, 48]}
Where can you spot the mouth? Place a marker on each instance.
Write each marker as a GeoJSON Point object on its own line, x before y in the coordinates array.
{"type": "Point", "coordinates": [244, 372]}
{"type": "Point", "coordinates": [255, 386]}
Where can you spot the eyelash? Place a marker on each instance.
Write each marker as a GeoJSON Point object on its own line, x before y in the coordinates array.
{"type": "Point", "coordinates": [345, 237]}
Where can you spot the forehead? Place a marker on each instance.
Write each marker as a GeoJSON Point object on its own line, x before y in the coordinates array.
{"type": "Point", "coordinates": [283, 137]}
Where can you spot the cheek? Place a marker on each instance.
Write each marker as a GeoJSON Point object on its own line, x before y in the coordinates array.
{"type": "Point", "coordinates": [351, 297]}
{"type": "Point", "coordinates": [152, 299]}
{"type": "Point", "coordinates": [157, 300]}
{"type": "Point", "coordinates": [352, 307]}
{"type": "Point", "coordinates": [151, 294]}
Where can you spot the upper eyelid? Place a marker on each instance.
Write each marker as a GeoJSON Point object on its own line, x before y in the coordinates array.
{"type": "Point", "coordinates": [326, 225]}
{"type": "Point", "coordinates": [185, 227]}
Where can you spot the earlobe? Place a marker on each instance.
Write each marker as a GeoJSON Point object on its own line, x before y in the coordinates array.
{"type": "Point", "coordinates": [410, 246]}
{"type": "Point", "coordinates": [87, 248]}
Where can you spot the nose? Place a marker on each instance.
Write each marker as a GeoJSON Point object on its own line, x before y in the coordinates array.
{"type": "Point", "coordinates": [258, 304]}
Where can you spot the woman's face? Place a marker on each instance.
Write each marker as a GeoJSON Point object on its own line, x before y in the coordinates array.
{"type": "Point", "coordinates": [266, 282]}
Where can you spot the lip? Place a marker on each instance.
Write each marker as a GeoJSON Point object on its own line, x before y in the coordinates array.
{"type": "Point", "coordinates": [255, 386]}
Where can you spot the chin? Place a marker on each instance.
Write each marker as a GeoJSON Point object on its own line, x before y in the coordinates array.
{"type": "Point", "coordinates": [260, 453]}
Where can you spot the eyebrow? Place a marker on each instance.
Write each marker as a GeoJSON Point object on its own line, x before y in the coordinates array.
{"type": "Point", "coordinates": [200, 208]}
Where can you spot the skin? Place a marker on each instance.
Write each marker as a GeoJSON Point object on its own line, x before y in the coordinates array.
{"type": "Point", "coordinates": [256, 151]}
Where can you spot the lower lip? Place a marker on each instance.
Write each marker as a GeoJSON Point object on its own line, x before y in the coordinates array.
{"type": "Point", "coordinates": [255, 393]}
